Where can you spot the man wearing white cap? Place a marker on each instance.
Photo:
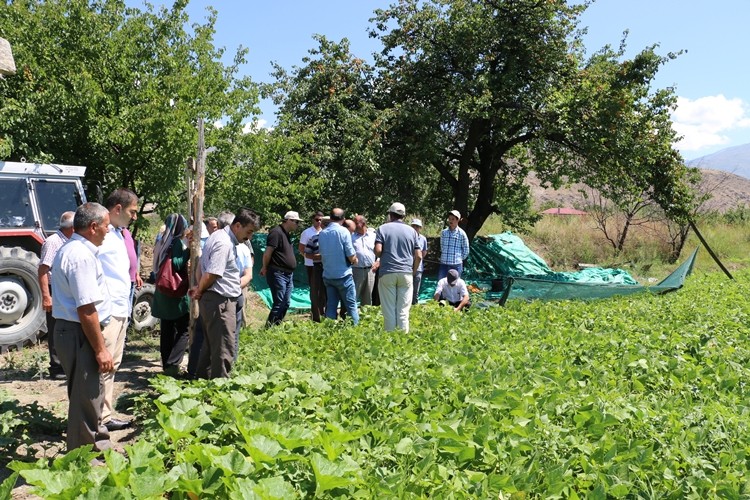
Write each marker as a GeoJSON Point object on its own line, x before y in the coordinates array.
{"type": "Point", "coordinates": [454, 246]}
{"type": "Point", "coordinates": [422, 241]}
{"type": "Point", "coordinates": [398, 249]}
{"type": "Point", "coordinates": [279, 263]}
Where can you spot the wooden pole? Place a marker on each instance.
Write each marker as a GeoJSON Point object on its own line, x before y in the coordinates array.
{"type": "Point", "coordinates": [196, 198]}
{"type": "Point", "coordinates": [710, 252]}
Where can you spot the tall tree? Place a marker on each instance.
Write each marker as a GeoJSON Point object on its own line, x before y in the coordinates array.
{"type": "Point", "coordinates": [483, 91]}
{"type": "Point", "coordinates": [119, 90]}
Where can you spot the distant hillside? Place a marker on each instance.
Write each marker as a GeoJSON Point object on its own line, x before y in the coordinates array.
{"type": "Point", "coordinates": [735, 160]}
{"type": "Point", "coordinates": [727, 192]}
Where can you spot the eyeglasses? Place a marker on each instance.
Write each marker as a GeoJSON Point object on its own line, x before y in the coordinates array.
{"type": "Point", "coordinates": [317, 220]}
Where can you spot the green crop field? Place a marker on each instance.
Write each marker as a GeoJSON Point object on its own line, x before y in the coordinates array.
{"type": "Point", "coordinates": [638, 397]}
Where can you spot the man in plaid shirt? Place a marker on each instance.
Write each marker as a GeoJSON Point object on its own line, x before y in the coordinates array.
{"type": "Point", "coordinates": [454, 246]}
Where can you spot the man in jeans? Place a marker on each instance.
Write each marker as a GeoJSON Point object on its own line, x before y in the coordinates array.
{"type": "Point", "coordinates": [337, 254]}
{"type": "Point", "coordinates": [398, 248]}
{"type": "Point", "coordinates": [278, 266]}
{"type": "Point", "coordinates": [454, 246]}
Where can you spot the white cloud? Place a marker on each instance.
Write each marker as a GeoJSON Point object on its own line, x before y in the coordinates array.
{"type": "Point", "coordinates": [705, 121]}
{"type": "Point", "coordinates": [254, 126]}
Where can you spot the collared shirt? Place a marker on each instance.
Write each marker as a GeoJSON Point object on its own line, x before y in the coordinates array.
{"type": "Point", "coordinates": [335, 244]}
{"type": "Point", "coordinates": [220, 258]}
{"type": "Point", "coordinates": [113, 254]}
{"type": "Point", "coordinates": [49, 250]}
{"type": "Point", "coordinates": [453, 293]}
{"type": "Point", "coordinates": [422, 241]}
{"type": "Point", "coordinates": [364, 246]}
{"type": "Point", "coordinates": [132, 253]}
{"type": "Point", "coordinates": [244, 257]}
{"type": "Point", "coordinates": [78, 280]}
{"type": "Point", "coordinates": [304, 238]}
{"type": "Point", "coordinates": [399, 243]}
{"type": "Point", "coordinates": [454, 246]}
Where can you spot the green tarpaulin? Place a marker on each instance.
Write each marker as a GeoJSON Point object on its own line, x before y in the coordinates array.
{"type": "Point", "coordinates": [503, 259]}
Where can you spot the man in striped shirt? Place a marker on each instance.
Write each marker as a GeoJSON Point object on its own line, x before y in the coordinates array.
{"type": "Point", "coordinates": [454, 246]}
{"type": "Point", "coordinates": [49, 250]}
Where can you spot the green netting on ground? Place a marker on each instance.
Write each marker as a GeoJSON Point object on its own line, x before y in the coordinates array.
{"type": "Point", "coordinates": [492, 261]}
{"type": "Point", "coordinates": [502, 255]}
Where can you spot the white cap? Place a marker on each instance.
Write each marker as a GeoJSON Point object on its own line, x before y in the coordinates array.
{"type": "Point", "coordinates": [292, 215]}
{"type": "Point", "coordinates": [416, 222]}
{"type": "Point", "coordinates": [397, 208]}
{"type": "Point", "coordinates": [456, 213]}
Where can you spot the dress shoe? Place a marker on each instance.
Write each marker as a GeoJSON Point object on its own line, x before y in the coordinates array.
{"type": "Point", "coordinates": [57, 375]}
{"type": "Point", "coordinates": [115, 424]}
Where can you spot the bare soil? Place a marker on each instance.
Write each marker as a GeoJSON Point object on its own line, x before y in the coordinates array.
{"type": "Point", "coordinates": [23, 380]}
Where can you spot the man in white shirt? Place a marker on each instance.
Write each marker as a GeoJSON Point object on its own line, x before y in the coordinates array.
{"type": "Point", "coordinates": [81, 306]}
{"type": "Point", "coordinates": [314, 273]}
{"type": "Point", "coordinates": [363, 240]}
{"type": "Point", "coordinates": [453, 290]}
{"type": "Point", "coordinates": [113, 255]}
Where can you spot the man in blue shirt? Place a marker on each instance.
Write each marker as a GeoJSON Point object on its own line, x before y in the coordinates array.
{"type": "Point", "coordinates": [454, 246]}
{"type": "Point", "coordinates": [338, 255]}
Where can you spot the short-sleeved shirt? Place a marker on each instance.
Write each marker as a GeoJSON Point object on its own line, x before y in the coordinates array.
{"type": "Point", "coordinates": [364, 246]}
{"type": "Point", "coordinates": [220, 258]}
{"type": "Point", "coordinates": [113, 255]}
{"type": "Point", "coordinates": [453, 293]}
{"type": "Point", "coordinates": [244, 257]}
{"type": "Point", "coordinates": [306, 235]}
{"type": "Point", "coordinates": [336, 247]}
{"type": "Point", "coordinates": [312, 247]}
{"type": "Point", "coordinates": [78, 280]}
{"type": "Point", "coordinates": [399, 243]}
{"type": "Point", "coordinates": [454, 246]}
{"type": "Point", "coordinates": [283, 254]}
{"type": "Point", "coordinates": [422, 241]}
{"type": "Point", "coordinates": [49, 250]}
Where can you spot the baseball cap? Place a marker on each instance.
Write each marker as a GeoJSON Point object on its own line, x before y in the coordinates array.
{"type": "Point", "coordinates": [452, 276]}
{"type": "Point", "coordinates": [456, 213]}
{"type": "Point", "coordinates": [397, 208]}
{"type": "Point", "coordinates": [416, 222]}
{"type": "Point", "coordinates": [292, 215]}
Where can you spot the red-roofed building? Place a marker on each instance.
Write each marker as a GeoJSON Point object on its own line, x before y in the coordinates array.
{"type": "Point", "coordinates": [564, 211]}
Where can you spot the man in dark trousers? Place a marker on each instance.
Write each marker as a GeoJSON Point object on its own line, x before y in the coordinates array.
{"type": "Point", "coordinates": [81, 307]}
{"type": "Point", "coordinates": [217, 292]}
{"type": "Point", "coordinates": [49, 251]}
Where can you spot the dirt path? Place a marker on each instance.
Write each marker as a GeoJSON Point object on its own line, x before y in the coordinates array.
{"type": "Point", "coordinates": [43, 403]}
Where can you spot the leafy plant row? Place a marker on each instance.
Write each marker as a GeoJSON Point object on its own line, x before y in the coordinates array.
{"type": "Point", "coordinates": [633, 397]}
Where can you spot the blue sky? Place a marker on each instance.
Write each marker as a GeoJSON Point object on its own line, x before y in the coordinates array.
{"type": "Point", "coordinates": [712, 79]}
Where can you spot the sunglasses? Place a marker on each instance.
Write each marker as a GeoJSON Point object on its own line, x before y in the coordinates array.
{"type": "Point", "coordinates": [317, 220]}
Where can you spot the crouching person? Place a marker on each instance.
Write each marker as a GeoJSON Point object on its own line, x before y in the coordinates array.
{"type": "Point", "coordinates": [453, 290]}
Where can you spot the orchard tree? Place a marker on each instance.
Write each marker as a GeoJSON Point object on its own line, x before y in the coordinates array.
{"type": "Point", "coordinates": [326, 104]}
{"type": "Point", "coordinates": [119, 90]}
{"type": "Point", "coordinates": [480, 92]}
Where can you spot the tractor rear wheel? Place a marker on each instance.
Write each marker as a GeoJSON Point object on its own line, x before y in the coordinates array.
{"type": "Point", "coordinates": [21, 312]}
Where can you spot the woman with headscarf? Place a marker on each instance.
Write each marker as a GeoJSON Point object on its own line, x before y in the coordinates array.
{"type": "Point", "coordinates": [172, 311]}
